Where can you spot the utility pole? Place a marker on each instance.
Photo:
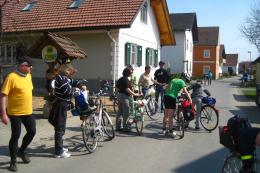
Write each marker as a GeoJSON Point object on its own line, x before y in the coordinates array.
{"type": "Point", "coordinates": [249, 64]}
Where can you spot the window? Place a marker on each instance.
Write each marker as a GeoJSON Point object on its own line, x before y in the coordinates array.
{"type": "Point", "coordinates": [206, 69]}
{"type": "Point", "coordinates": [151, 57]}
{"type": "Point", "coordinates": [76, 4]}
{"type": "Point", "coordinates": [29, 6]}
{"type": "Point", "coordinates": [144, 13]}
{"type": "Point", "coordinates": [7, 54]}
{"type": "Point", "coordinates": [133, 54]}
{"type": "Point", "coordinates": [206, 53]}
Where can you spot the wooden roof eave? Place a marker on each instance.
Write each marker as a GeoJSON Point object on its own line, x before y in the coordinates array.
{"type": "Point", "coordinates": [162, 17]}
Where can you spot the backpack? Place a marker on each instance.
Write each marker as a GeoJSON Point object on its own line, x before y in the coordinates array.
{"type": "Point", "coordinates": [234, 124]}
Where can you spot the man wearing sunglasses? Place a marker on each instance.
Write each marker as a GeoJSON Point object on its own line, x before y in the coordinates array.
{"type": "Point", "coordinates": [18, 87]}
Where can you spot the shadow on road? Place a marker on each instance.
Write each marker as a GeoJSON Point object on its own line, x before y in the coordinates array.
{"type": "Point", "coordinates": [211, 163]}
{"type": "Point", "coordinates": [251, 112]}
{"type": "Point", "coordinates": [240, 98]}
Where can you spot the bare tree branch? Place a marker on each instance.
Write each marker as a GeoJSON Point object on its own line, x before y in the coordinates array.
{"type": "Point", "coordinates": [251, 28]}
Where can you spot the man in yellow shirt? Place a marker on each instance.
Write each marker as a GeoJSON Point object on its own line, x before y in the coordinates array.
{"type": "Point", "coordinates": [18, 88]}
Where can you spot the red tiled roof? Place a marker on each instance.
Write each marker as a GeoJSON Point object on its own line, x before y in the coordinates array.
{"type": "Point", "coordinates": [208, 35]}
{"type": "Point", "coordinates": [51, 14]}
{"type": "Point", "coordinates": [231, 60]}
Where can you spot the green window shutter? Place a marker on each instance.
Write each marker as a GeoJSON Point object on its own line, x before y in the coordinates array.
{"type": "Point", "coordinates": [147, 56]}
{"type": "Point", "coordinates": [155, 58]}
{"type": "Point", "coordinates": [139, 56]}
{"type": "Point", "coordinates": [127, 53]}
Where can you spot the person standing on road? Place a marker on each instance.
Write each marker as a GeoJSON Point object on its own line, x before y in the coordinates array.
{"type": "Point", "coordinates": [197, 94]}
{"type": "Point", "coordinates": [162, 77]}
{"type": "Point", "coordinates": [209, 77]}
{"type": "Point", "coordinates": [63, 92]}
{"type": "Point", "coordinates": [173, 89]}
{"type": "Point", "coordinates": [124, 92]}
{"type": "Point", "coordinates": [18, 87]}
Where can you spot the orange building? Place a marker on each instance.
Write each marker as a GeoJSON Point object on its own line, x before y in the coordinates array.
{"type": "Point", "coordinates": [206, 54]}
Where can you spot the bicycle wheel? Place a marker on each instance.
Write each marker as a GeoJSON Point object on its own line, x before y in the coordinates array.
{"type": "Point", "coordinates": [107, 125]}
{"type": "Point", "coordinates": [139, 124]}
{"type": "Point", "coordinates": [115, 105]}
{"type": "Point", "coordinates": [209, 117]}
{"type": "Point", "coordinates": [88, 133]}
{"type": "Point", "coordinates": [232, 164]}
{"type": "Point", "coordinates": [152, 109]}
{"type": "Point", "coordinates": [180, 125]}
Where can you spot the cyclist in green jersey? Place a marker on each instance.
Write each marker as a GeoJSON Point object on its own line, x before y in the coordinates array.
{"type": "Point", "coordinates": [173, 89]}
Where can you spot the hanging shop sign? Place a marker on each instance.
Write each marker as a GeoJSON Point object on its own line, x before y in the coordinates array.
{"type": "Point", "coordinates": [49, 54]}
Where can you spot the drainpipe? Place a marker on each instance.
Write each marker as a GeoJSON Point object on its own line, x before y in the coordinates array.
{"type": "Point", "coordinates": [114, 59]}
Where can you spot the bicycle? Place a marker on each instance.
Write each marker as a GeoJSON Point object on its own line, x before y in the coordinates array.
{"type": "Point", "coordinates": [112, 94]}
{"type": "Point", "coordinates": [152, 107]}
{"type": "Point", "coordinates": [209, 115]}
{"type": "Point", "coordinates": [233, 162]}
{"type": "Point", "coordinates": [96, 123]}
{"type": "Point", "coordinates": [137, 114]}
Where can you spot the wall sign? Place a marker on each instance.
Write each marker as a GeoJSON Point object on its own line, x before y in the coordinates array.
{"type": "Point", "coordinates": [49, 53]}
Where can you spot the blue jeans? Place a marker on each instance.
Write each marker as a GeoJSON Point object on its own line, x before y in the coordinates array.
{"type": "Point", "coordinates": [160, 92]}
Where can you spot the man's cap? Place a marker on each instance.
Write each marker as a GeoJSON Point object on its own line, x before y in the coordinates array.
{"type": "Point", "coordinates": [24, 59]}
{"type": "Point", "coordinates": [161, 63]}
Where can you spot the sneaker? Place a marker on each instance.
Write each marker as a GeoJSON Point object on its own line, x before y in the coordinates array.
{"type": "Point", "coordinates": [164, 131]}
{"type": "Point", "coordinates": [63, 155]}
{"type": "Point", "coordinates": [13, 167]}
{"type": "Point", "coordinates": [24, 156]}
{"type": "Point", "coordinates": [65, 149]}
{"type": "Point", "coordinates": [197, 128]}
{"type": "Point", "coordinates": [173, 133]}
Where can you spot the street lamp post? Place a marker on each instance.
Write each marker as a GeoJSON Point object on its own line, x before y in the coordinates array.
{"type": "Point", "coordinates": [249, 64]}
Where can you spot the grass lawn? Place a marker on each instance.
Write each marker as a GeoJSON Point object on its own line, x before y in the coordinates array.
{"type": "Point", "coordinates": [249, 93]}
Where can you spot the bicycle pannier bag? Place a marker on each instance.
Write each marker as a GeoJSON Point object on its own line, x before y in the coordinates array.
{"type": "Point", "coordinates": [234, 124]}
{"type": "Point", "coordinates": [226, 138]}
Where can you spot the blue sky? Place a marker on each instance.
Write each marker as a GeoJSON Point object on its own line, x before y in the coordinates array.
{"type": "Point", "coordinates": [229, 15]}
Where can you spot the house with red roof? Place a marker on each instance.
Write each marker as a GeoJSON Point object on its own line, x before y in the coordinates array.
{"type": "Point", "coordinates": [113, 33]}
{"type": "Point", "coordinates": [231, 64]}
{"type": "Point", "coordinates": [206, 54]}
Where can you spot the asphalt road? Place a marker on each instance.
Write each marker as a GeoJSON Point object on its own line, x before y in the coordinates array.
{"type": "Point", "coordinates": [198, 151]}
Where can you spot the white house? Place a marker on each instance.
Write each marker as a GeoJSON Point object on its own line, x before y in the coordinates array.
{"type": "Point", "coordinates": [112, 33]}
{"type": "Point", "coordinates": [231, 64]}
{"type": "Point", "coordinates": [179, 57]}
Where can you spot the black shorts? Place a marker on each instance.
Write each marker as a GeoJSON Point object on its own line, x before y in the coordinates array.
{"type": "Point", "coordinates": [169, 102]}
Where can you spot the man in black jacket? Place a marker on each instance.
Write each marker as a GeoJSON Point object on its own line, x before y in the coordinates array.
{"type": "Point", "coordinates": [161, 76]}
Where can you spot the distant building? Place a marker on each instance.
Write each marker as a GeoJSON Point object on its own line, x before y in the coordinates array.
{"type": "Point", "coordinates": [244, 66]}
{"type": "Point", "coordinates": [206, 54]}
{"type": "Point", "coordinates": [231, 64]}
{"type": "Point", "coordinates": [178, 58]}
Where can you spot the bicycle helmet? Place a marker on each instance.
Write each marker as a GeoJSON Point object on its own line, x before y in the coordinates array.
{"type": "Point", "coordinates": [185, 77]}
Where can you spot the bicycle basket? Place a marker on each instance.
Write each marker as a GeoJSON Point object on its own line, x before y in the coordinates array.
{"type": "Point", "coordinates": [226, 138]}
{"type": "Point", "coordinates": [209, 101]}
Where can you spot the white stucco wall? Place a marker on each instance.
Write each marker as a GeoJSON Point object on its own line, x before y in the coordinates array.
{"type": "Point", "coordinates": [235, 69]}
{"type": "Point", "coordinates": [176, 55]}
{"type": "Point", "coordinates": [145, 35]}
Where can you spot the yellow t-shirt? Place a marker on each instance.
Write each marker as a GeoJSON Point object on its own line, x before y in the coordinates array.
{"type": "Point", "coordinates": [19, 92]}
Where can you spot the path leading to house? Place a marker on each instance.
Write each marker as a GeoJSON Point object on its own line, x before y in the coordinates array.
{"type": "Point", "coordinates": [199, 151]}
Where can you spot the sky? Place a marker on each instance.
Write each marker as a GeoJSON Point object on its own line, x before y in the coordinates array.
{"type": "Point", "coordinates": [229, 15]}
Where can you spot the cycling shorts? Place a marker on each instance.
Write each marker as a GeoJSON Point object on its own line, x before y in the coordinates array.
{"type": "Point", "coordinates": [169, 102]}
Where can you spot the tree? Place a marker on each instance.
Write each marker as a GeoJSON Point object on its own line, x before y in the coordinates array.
{"type": "Point", "coordinates": [251, 27]}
